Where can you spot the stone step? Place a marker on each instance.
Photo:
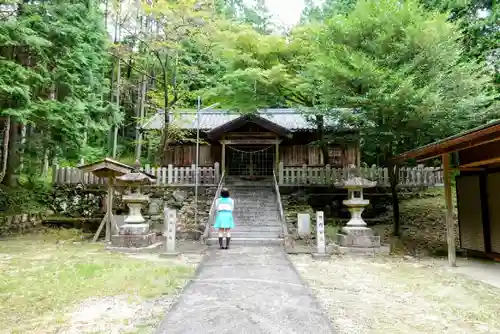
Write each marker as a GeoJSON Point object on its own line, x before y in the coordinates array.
{"type": "Point", "coordinates": [257, 221]}
{"type": "Point", "coordinates": [248, 241]}
{"type": "Point", "coordinates": [257, 216]}
{"type": "Point", "coordinates": [255, 204]}
{"type": "Point", "coordinates": [251, 235]}
{"type": "Point", "coordinates": [254, 207]}
{"type": "Point", "coordinates": [259, 228]}
{"type": "Point", "coordinates": [261, 217]}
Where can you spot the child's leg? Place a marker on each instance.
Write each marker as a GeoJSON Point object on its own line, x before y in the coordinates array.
{"type": "Point", "coordinates": [228, 237]}
{"type": "Point", "coordinates": [221, 234]}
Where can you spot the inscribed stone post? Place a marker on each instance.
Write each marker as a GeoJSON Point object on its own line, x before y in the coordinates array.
{"type": "Point", "coordinates": [320, 232]}
{"type": "Point", "coordinates": [303, 224]}
{"type": "Point", "coordinates": [170, 220]}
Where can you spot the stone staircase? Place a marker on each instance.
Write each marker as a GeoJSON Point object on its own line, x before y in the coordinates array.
{"type": "Point", "coordinates": [256, 217]}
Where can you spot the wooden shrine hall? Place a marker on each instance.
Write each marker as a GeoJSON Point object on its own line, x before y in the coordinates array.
{"type": "Point", "coordinates": [254, 144]}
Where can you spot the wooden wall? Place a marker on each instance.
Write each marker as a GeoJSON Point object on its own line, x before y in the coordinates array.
{"type": "Point", "coordinates": [291, 155]}
{"type": "Point", "coordinates": [298, 155]}
{"type": "Point", "coordinates": [478, 211]}
{"type": "Point", "coordinates": [493, 184]}
{"type": "Point", "coordinates": [338, 156]}
{"type": "Point", "coordinates": [185, 155]}
{"type": "Point", "coordinates": [470, 218]}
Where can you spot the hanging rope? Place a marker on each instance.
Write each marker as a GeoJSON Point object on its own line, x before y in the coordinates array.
{"type": "Point", "coordinates": [250, 152]}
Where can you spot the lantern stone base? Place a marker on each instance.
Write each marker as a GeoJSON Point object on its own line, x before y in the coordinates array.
{"type": "Point", "coordinates": [357, 251]}
{"type": "Point", "coordinates": [133, 240]}
{"type": "Point", "coordinates": [358, 237]}
{"type": "Point", "coordinates": [134, 229]}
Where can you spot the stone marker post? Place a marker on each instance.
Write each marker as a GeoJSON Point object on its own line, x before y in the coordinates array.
{"type": "Point", "coordinates": [320, 236]}
{"type": "Point", "coordinates": [170, 220]}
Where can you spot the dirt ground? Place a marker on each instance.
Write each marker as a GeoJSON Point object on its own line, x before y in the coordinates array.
{"type": "Point", "coordinates": [386, 294]}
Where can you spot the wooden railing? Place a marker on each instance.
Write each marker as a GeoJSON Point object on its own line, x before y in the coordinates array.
{"type": "Point", "coordinates": [213, 209]}
{"type": "Point", "coordinates": [408, 176]}
{"type": "Point", "coordinates": [281, 212]}
{"type": "Point", "coordinates": [165, 176]}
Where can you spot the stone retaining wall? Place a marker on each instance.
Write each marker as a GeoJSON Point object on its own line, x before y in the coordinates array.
{"type": "Point", "coordinates": [73, 201]}
{"type": "Point", "coordinates": [20, 223]}
{"type": "Point", "coordinates": [423, 229]}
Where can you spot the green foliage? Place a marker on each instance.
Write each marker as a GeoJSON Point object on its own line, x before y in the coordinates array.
{"type": "Point", "coordinates": [31, 197]}
{"type": "Point", "coordinates": [415, 73]}
{"type": "Point", "coordinates": [402, 65]}
{"type": "Point", "coordinates": [52, 78]}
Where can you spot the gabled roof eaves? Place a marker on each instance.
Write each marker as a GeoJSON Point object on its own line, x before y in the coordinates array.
{"type": "Point", "coordinates": [290, 119]}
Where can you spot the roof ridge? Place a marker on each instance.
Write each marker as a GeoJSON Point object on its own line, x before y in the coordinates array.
{"type": "Point", "coordinates": [225, 111]}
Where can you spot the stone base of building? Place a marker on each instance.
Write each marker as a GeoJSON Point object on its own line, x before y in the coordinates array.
{"type": "Point", "coordinates": [133, 240]}
{"type": "Point", "coordinates": [320, 256]}
{"type": "Point", "coordinates": [358, 237]}
{"type": "Point", "coordinates": [169, 254]}
{"type": "Point", "coordinates": [154, 248]}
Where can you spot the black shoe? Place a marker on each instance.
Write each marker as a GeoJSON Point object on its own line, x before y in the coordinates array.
{"type": "Point", "coordinates": [220, 243]}
{"type": "Point", "coordinates": [227, 243]}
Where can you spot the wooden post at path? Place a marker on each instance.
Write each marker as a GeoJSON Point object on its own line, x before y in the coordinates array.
{"type": "Point", "coordinates": [450, 230]}
{"type": "Point", "coordinates": [109, 219]}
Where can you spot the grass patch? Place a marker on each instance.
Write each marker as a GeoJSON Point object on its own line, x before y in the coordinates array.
{"type": "Point", "coordinates": [431, 201]}
{"type": "Point", "coordinates": [44, 274]}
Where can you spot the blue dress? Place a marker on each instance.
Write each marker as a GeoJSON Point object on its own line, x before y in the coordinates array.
{"type": "Point", "coordinates": [224, 215]}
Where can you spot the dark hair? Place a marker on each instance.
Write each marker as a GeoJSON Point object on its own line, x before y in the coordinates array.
{"type": "Point", "coordinates": [224, 193]}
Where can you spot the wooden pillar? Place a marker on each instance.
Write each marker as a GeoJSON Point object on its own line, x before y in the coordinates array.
{"type": "Point", "coordinates": [277, 154]}
{"type": "Point", "coordinates": [223, 157]}
{"type": "Point", "coordinates": [450, 231]}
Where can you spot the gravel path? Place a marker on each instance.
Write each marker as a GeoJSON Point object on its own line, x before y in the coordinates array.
{"type": "Point", "coordinates": [246, 290]}
{"type": "Point", "coordinates": [391, 295]}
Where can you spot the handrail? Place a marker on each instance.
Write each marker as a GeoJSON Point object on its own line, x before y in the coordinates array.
{"type": "Point", "coordinates": [211, 214]}
{"type": "Point", "coordinates": [284, 226]}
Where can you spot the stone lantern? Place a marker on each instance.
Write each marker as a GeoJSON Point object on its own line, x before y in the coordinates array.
{"type": "Point", "coordinates": [135, 232]}
{"type": "Point", "coordinates": [356, 233]}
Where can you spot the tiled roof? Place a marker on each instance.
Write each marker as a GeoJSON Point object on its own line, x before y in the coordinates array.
{"type": "Point", "coordinates": [290, 119]}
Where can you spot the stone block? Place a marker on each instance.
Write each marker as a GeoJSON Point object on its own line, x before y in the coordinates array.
{"type": "Point", "coordinates": [361, 241]}
{"type": "Point", "coordinates": [359, 251]}
{"type": "Point", "coordinates": [136, 241]}
{"type": "Point", "coordinates": [304, 224]}
{"type": "Point", "coordinates": [357, 231]}
{"type": "Point", "coordinates": [157, 227]}
{"type": "Point", "coordinates": [134, 229]}
{"type": "Point", "coordinates": [155, 207]}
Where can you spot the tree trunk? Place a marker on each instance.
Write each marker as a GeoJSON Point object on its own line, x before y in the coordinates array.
{"type": "Point", "coordinates": [115, 132]}
{"type": "Point", "coordinates": [5, 147]}
{"type": "Point", "coordinates": [142, 100]}
{"type": "Point", "coordinates": [11, 178]}
{"type": "Point", "coordinates": [45, 167]}
{"type": "Point", "coordinates": [164, 137]}
{"type": "Point", "coordinates": [320, 123]}
{"type": "Point", "coordinates": [394, 180]}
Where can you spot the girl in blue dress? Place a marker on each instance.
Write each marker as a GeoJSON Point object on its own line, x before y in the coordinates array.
{"type": "Point", "coordinates": [224, 221]}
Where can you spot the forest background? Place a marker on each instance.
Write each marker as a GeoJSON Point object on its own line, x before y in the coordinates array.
{"type": "Point", "coordinates": [78, 76]}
